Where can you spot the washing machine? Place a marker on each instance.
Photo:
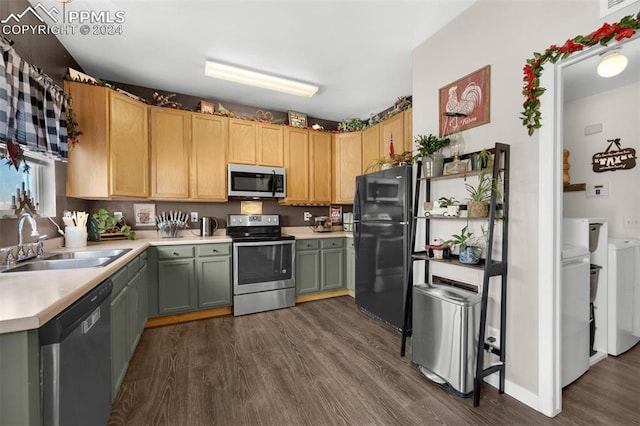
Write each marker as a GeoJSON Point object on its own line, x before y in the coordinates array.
{"type": "Point", "coordinates": [624, 295]}
{"type": "Point", "coordinates": [574, 299]}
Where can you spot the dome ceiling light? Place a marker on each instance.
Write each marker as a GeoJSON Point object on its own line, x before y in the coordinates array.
{"type": "Point", "coordinates": [612, 64]}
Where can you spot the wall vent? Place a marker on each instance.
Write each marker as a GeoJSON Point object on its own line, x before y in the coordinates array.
{"type": "Point", "coordinates": [607, 7]}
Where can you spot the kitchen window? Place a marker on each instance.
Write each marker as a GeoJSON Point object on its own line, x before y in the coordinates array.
{"type": "Point", "coordinates": [40, 181]}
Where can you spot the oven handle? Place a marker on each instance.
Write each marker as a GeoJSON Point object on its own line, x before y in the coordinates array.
{"type": "Point", "coordinates": [262, 243]}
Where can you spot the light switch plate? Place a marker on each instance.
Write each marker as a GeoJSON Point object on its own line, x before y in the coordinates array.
{"type": "Point", "coordinates": [194, 216]}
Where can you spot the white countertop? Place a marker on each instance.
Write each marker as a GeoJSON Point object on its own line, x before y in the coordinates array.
{"type": "Point", "coordinates": [30, 299]}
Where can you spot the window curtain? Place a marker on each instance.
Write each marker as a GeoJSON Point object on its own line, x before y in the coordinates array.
{"type": "Point", "coordinates": [32, 108]}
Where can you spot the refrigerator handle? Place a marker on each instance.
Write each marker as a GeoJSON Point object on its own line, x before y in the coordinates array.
{"type": "Point", "coordinates": [356, 204]}
{"type": "Point", "coordinates": [356, 236]}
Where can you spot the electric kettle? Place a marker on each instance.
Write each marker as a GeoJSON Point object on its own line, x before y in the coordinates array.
{"type": "Point", "coordinates": [208, 226]}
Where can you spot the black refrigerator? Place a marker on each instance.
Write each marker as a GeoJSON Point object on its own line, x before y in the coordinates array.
{"type": "Point", "coordinates": [382, 217]}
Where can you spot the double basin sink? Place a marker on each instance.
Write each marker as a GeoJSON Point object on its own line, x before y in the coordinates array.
{"type": "Point", "coordinates": [69, 260]}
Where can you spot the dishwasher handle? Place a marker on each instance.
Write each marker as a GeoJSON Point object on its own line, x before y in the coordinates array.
{"type": "Point", "coordinates": [59, 327]}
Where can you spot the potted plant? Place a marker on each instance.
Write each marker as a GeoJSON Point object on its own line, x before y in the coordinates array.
{"type": "Point", "coordinates": [111, 226]}
{"type": "Point", "coordinates": [482, 160]}
{"type": "Point", "coordinates": [428, 148]}
{"type": "Point", "coordinates": [480, 195]}
{"type": "Point", "coordinates": [451, 204]}
{"type": "Point", "coordinates": [468, 249]}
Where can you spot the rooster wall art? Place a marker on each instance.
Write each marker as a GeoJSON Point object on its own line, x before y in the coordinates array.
{"type": "Point", "coordinates": [465, 102]}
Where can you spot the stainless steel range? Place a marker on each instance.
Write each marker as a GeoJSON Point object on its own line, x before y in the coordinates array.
{"type": "Point", "coordinates": [263, 264]}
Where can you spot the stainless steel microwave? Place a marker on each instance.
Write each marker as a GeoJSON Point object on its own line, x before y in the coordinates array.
{"type": "Point", "coordinates": [256, 181]}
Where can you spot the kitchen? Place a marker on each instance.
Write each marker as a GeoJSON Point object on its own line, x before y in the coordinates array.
{"type": "Point", "coordinates": [505, 105]}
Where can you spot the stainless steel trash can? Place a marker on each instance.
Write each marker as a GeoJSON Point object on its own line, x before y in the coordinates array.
{"type": "Point", "coordinates": [445, 335]}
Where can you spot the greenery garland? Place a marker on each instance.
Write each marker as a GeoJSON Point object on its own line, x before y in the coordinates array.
{"type": "Point", "coordinates": [532, 91]}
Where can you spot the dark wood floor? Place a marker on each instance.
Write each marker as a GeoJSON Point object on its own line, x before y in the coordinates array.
{"type": "Point", "coordinates": [325, 363]}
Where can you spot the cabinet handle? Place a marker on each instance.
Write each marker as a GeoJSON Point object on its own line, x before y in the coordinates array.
{"type": "Point", "coordinates": [175, 254]}
{"type": "Point", "coordinates": [215, 250]}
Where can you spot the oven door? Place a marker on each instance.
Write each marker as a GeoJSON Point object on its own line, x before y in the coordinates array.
{"type": "Point", "coordinates": [262, 266]}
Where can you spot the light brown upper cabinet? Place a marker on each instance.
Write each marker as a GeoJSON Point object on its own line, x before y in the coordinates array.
{"type": "Point", "coordinates": [408, 129]}
{"type": "Point", "coordinates": [296, 161]}
{"type": "Point", "coordinates": [320, 156]}
{"type": "Point", "coordinates": [371, 149]}
{"type": "Point", "coordinates": [256, 143]}
{"type": "Point", "coordinates": [209, 157]}
{"type": "Point", "coordinates": [392, 128]}
{"type": "Point", "coordinates": [170, 153]}
{"type": "Point", "coordinates": [111, 159]}
{"type": "Point", "coordinates": [270, 145]}
{"type": "Point", "coordinates": [347, 164]}
{"type": "Point", "coordinates": [242, 141]}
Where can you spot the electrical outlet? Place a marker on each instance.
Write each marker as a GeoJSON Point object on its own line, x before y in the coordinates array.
{"type": "Point", "coordinates": [631, 221]}
{"type": "Point", "coordinates": [493, 337]}
{"type": "Point", "coordinates": [307, 216]}
{"type": "Point", "coordinates": [194, 216]}
{"type": "Point", "coordinates": [117, 215]}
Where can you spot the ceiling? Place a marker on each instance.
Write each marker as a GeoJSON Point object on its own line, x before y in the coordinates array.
{"type": "Point", "coordinates": [358, 52]}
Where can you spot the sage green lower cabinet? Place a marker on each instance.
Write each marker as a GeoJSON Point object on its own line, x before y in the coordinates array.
{"type": "Point", "coordinates": [186, 278]}
{"type": "Point", "coordinates": [20, 378]}
{"type": "Point", "coordinates": [320, 265]}
{"type": "Point", "coordinates": [128, 316]}
{"type": "Point", "coordinates": [351, 266]}
{"type": "Point", "coordinates": [213, 275]}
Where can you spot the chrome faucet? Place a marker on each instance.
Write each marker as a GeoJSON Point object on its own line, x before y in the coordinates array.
{"type": "Point", "coordinates": [34, 233]}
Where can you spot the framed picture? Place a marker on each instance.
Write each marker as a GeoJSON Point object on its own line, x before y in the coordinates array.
{"type": "Point", "coordinates": [206, 107]}
{"type": "Point", "coordinates": [145, 214]}
{"type": "Point", "coordinates": [297, 119]}
{"type": "Point", "coordinates": [465, 102]}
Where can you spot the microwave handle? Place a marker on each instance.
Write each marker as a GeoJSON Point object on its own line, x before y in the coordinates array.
{"type": "Point", "coordinates": [273, 183]}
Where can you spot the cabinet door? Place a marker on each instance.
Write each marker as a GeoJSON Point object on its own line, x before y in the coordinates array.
{"type": "Point", "coordinates": [143, 298]}
{"type": "Point", "coordinates": [133, 323]}
{"type": "Point", "coordinates": [332, 272]}
{"type": "Point", "coordinates": [393, 128]}
{"type": "Point", "coordinates": [120, 349]}
{"type": "Point", "coordinates": [371, 149]}
{"type": "Point", "coordinates": [91, 109]}
{"type": "Point", "coordinates": [177, 291]}
{"type": "Point", "coordinates": [270, 145]}
{"type": "Point", "coordinates": [242, 141]}
{"type": "Point", "coordinates": [307, 271]}
{"type": "Point", "coordinates": [128, 147]}
{"type": "Point", "coordinates": [347, 165]}
{"type": "Point", "coordinates": [320, 148]}
{"type": "Point", "coordinates": [170, 144]}
{"type": "Point", "coordinates": [351, 266]}
{"type": "Point", "coordinates": [209, 157]}
{"type": "Point", "coordinates": [408, 129]}
{"type": "Point", "coordinates": [296, 160]}
{"type": "Point", "coordinates": [214, 281]}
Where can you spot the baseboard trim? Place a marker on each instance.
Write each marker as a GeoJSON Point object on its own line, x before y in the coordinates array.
{"type": "Point", "coordinates": [516, 391]}
{"type": "Point", "coordinates": [189, 316]}
{"type": "Point", "coordinates": [324, 295]}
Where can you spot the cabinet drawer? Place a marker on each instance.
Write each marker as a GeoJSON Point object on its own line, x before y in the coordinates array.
{"type": "Point", "coordinates": [213, 250]}
{"type": "Point", "coordinates": [332, 243]}
{"type": "Point", "coordinates": [307, 244]}
{"type": "Point", "coordinates": [143, 258]}
{"type": "Point", "coordinates": [120, 280]}
{"type": "Point", "coordinates": [174, 252]}
{"type": "Point", "coordinates": [133, 267]}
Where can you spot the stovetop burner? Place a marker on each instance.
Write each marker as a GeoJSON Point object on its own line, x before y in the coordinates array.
{"type": "Point", "coordinates": [248, 228]}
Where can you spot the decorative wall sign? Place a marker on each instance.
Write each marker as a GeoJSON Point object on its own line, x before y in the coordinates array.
{"type": "Point", "coordinates": [297, 119]}
{"type": "Point", "coordinates": [465, 102]}
{"type": "Point", "coordinates": [614, 159]}
{"type": "Point", "coordinates": [145, 214]}
{"type": "Point", "coordinates": [207, 107]}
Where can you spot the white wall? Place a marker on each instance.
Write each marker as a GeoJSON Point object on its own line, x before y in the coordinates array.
{"type": "Point", "coordinates": [617, 111]}
{"type": "Point", "coordinates": [504, 34]}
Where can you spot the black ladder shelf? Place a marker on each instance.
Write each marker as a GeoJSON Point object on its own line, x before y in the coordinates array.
{"type": "Point", "coordinates": [491, 267]}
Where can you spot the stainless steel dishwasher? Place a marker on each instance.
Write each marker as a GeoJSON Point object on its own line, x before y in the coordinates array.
{"type": "Point", "coordinates": [75, 359]}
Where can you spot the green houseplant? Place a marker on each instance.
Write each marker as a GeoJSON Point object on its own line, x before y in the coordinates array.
{"type": "Point", "coordinates": [468, 247]}
{"type": "Point", "coordinates": [108, 224]}
{"type": "Point", "coordinates": [428, 149]}
{"type": "Point", "coordinates": [479, 196]}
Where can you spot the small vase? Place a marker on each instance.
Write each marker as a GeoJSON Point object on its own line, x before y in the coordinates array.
{"type": "Point", "coordinates": [432, 165]}
{"type": "Point", "coordinates": [470, 255]}
{"type": "Point", "coordinates": [477, 209]}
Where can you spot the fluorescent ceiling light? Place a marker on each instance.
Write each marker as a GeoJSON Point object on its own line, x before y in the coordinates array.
{"type": "Point", "coordinates": [612, 64]}
{"type": "Point", "coordinates": [252, 78]}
